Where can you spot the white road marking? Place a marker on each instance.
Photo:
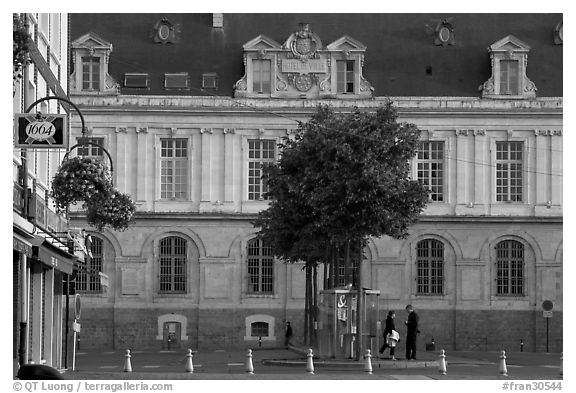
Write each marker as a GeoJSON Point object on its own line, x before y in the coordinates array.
{"type": "Point", "coordinates": [410, 377]}
{"type": "Point", "coordinates": [108, 367]}
{"type": "Point", "coordinates": [235, 364]}
{"type": "Point", "coordinates": [150, 366]}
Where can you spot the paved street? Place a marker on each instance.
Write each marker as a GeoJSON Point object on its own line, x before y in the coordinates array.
{"type": "Point", "coordinates": [289, 364]}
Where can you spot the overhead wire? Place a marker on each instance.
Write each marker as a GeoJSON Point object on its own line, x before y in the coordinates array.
{"type": "Point", "coordinates": [368, 138]}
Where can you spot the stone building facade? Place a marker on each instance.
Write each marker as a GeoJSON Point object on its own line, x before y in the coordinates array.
{"type": "Point", "coordinates": [189, 127]}
{"type": "Point", "coordinates": [42, 260]}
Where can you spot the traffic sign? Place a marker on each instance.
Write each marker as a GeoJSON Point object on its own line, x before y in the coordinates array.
{"type": "Point", "coordinates": [77, 307]}
{"type": "Point", "coordinates": [547, 305]}
{"type": "Point", "coordinates": [547, 314]}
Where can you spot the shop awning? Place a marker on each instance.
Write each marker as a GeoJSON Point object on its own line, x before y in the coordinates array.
{"type": "Point", "coordinates": [59, 260]}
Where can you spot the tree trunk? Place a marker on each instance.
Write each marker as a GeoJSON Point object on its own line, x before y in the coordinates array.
{"type": "Point", "coordinates": [360, 310]}
{"type": "Point", "coordinates": [347, 269]}
{"type": "Point", "coordinates": [307, 308]}
{"type": "Point", "coordinates": [334, 275]}
{"type": "Point", "coordinates": [314, 304]}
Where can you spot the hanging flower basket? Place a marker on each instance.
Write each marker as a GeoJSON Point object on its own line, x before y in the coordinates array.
{"type": "Point", "coordinates": [116, 212]}
{"type": "Point", "coordinates": [81, 179]}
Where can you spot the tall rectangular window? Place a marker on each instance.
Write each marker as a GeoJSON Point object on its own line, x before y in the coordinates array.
{"type": "Point", "coordinates": [345, 76]}
{"type": "Point", "coordinates": [90, 73]}
{"type": "Point", "coordinates": [260, 267]}
{"type": "Point", "coordinates": [260, 152]}
{"type": "Point", "coordinates": [509, 77]}
{"type": "Point", "coordinates": [89, 280]}
{"type": "Point", "coordinates": [430, 168]}
{"type": "Point", "coordinates": [509, 268]}
{"type": "Point", "coordinates": [92, 150]}
{"type": "Point", "coordinates": [173, 264]}
{"type": "Point", "coordinates": [261, 76]}
{"type": "Point", "coordinates": [509, 161]}
{"type": "Point", "coordinates": [173, 168]}
{"type": "Point", "coordinates": [430, 267]}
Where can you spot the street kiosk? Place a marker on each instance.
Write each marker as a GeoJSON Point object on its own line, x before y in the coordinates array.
{"type": "Point", "coordinates": [337, 330]}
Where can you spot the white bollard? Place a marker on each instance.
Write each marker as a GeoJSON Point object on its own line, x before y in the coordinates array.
{"type": "Point", "coordinates": [368, 362]}
{"type": "Point", "coordinates": [127, 362]}
{"type": "Point", "coordinates": [502, 365]}
{"type": "Point", "coordinates": [189, 364]}
{"type": "Point", "coordinates": [442, 363]}
{"type": "Point", "coordinates": [309, 362]}
{"type": "Point", "coordinates": [249, 365]}
{"type": "Point", "coordinates": [561, 366]}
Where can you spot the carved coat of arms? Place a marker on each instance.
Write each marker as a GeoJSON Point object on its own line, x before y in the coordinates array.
{"type": "Point", "coordinates": [303, 46]}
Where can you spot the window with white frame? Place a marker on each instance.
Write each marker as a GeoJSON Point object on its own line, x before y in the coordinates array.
{"type": "Point", "coordinates": [173, 168]}
{"type": "Point", "coordinates": [345, 76]}
{"type": "Point", "coordinates": [509, 76]}
{"type": "Point", "coordinates": [510, 268]}
{"type": "Point", "coordinates": [172, 264]}
{"type": "Point", "coordinates": [430, 267]}
{"type": "Point", "coordinates": [430, 168]}
{"type": "Point", "coordinates": [260, 152]}
{"type": "Point", "coordinates": [90, 73]}
{"type": "Point", "coordinates": [260, 267]}
{"type": "Point", "coordinates": [89, 280]}
{"type": "Point", "coordinates": [92, 150]}
{"type": "Point", "coordinates": [259, 329]}
{"type": "Point", "coordinates": [261, 76]}
{"type": "Point", "coordinates": [509, 171]}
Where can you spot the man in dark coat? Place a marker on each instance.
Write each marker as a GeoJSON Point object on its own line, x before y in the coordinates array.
{"type": "Point", "coordinates": [412, 331]}
{"type": "Point", "coordinates": [288, 335]}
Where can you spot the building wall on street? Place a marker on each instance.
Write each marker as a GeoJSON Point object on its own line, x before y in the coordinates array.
{"type": "Point", "coordinates": [468, 217]}
{"type": "Point", "coordinates": [40, 259]}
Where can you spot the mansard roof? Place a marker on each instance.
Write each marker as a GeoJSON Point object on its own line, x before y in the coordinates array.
{"type": "Point", "coordinates": [401, 57]}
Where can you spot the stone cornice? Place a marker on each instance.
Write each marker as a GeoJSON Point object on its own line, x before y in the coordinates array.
{"type": "Point", "coordinates": [412, 105]}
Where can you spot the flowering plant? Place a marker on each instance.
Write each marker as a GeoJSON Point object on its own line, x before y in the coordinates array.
{"type": "Point", "coordinates": [21, 42]}
{"type": "Point", "coordinates": [81, 179]}
{"type": "Point", "coordinates": [115, 211]}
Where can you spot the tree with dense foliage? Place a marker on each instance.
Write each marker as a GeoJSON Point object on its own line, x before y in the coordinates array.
{"type": "Point", "coordinates": [342, 179]}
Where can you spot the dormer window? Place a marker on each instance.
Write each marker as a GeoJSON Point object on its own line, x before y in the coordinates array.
{"type": "Point", "coordinates": [90, 55]}
{"type": "Point", "coordinates": [345, 76]}
{"type": "Point", "coordinates": [90, 73]}
{"type": "Point", "coordinates": [303, 68]}
{"type": "Point", "coordinates": [509, 58]}
{"type": "Point", "coordinates": [261, 80]}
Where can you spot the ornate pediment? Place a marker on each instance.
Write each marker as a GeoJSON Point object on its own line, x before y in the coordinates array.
{"type": "Point", "coordinates": [261, 42]}
{"type": "Point", "coordinates": [346, 43]}
{"type": "Point", "coordinates": [91, 41]}
{"type": "Point", "coordinates": [303, 68]}
{"type": "Point", "coordinates": [509, 43]}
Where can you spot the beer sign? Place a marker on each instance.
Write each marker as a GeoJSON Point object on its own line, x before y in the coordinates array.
{"type": "Point", "coordinates": [35, 131]}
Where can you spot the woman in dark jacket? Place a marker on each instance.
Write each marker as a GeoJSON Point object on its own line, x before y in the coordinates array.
{"type": "Point", "coordinates": [388, 330]}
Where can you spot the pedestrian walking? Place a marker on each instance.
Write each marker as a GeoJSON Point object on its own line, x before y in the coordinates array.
{"type": "Point", "coordinates": [411, 333]}
{"type": "Point", "coordinates": [288, 335]}
{"type": "Point", "coordinates": [390, 334]}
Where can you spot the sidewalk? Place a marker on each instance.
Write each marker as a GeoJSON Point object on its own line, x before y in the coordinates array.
{"type": "Point", "coordinates": [278, 363]}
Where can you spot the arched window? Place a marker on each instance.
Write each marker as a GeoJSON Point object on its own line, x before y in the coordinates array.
{"type": "Point", "coordinates": [510, 268]}
{"type": "Point", "coordinates": [173, 264]}
{"type": "Point", "coordinates": [89, 280]}
{"type": "Point", "coordinates": [430, 267]}
{"type": "Point", "coordinates": [260, 267]}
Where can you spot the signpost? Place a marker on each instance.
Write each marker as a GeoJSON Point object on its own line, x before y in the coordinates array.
{"type": "Point", "coordinates": [75, 327]}
{"type": "Point", "coordinates": [547, 306]}
{"type": "Point", "coordinates": [40, 132]}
